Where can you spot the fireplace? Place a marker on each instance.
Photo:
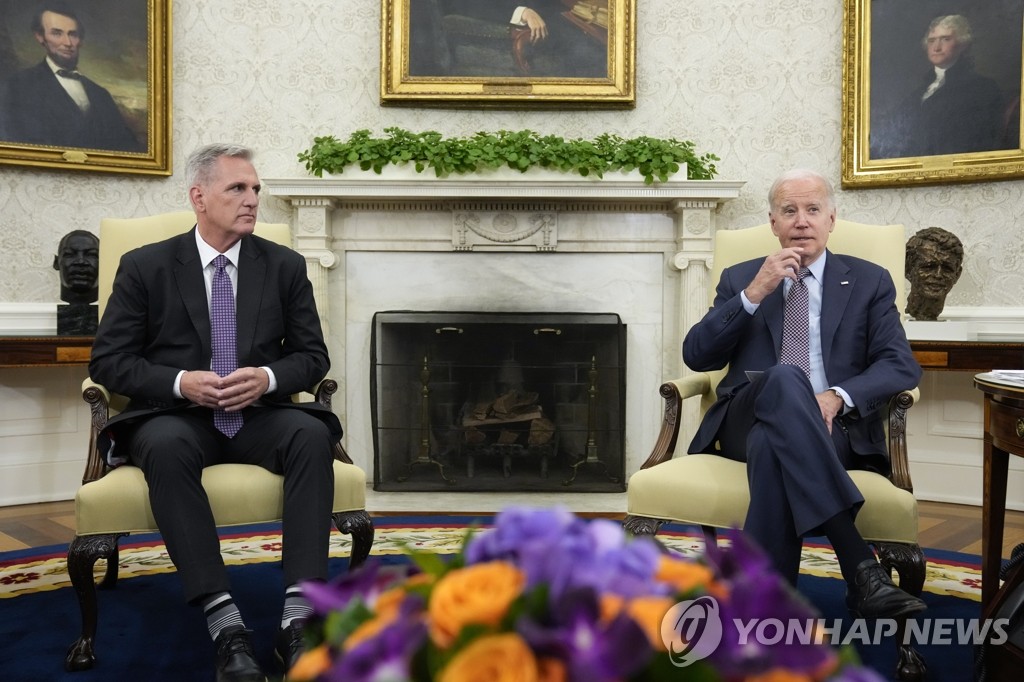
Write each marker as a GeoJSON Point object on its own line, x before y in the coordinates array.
{"type": "Point", "coordinates": [379, 243]}
{"type": "Point", "coordinates": [467, 401]}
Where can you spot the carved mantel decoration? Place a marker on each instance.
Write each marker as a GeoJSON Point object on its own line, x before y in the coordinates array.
{"type": "Point", "coordinates": [618, 245]}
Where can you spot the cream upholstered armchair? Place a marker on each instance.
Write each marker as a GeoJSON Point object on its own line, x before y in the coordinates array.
{"type": "Point", "coordinates": [115, 502]}
{"type": "Point", "coordinates": [711, 491]}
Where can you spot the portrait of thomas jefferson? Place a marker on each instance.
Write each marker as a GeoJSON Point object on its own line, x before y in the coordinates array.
{"type": "Point", "coordinates": [73, 75]}
{"type": "Point", "coordinates": [944, 80]}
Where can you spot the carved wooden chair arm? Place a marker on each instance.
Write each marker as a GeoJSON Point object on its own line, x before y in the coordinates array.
{"type": "Point", "coordinates": [98, 398]}
{"type": "Point", "coordinates": [898, 460]}
{"type": "Point", "coordinates": [324, 392]}
{"type": "Point", "coordinates": [674, 392]}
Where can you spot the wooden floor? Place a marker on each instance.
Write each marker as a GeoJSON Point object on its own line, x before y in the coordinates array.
{"type": "Point", "coordinates": [943, 526]}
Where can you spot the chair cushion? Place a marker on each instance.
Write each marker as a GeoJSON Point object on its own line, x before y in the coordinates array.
{"type": "Point", "coordinates": [239, 494]}
{"type": "Point", "coordinates": [708, 490]}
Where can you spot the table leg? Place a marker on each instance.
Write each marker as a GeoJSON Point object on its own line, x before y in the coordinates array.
{"type": "Point", "coordinates": [993, 512]}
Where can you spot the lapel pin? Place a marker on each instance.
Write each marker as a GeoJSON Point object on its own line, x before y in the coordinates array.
{"type": "Point", "coordinates": [844, 283]}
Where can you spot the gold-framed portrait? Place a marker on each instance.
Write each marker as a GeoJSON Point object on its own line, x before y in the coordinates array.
{"type": "Point", "coordinates": [931, 92]}
{"type": "Point", "coordinates": [86, 85]}
{"type": "Point", "coordinates": [508, 53]}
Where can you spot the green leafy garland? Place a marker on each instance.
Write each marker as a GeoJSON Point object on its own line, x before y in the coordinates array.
{"type": "Point", "coordinates": [655, 158]}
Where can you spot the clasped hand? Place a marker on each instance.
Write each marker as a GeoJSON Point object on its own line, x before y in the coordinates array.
{"type": "Point", "coordinates": [230, 393]}
{"type": "Point", "coordinates": [781, 265]}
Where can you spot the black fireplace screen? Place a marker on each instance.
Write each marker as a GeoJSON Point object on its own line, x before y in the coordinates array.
{"type": "Point", "coordinates": [498, 401]}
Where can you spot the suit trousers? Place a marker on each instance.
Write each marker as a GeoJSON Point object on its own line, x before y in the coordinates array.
{"type": "Point", "coordinates": [796, 470]}
{"type": "Point", "coordinates": [173, 448]}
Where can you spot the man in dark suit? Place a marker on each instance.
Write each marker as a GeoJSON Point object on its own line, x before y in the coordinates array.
{"type": "Point", "coordinates": [198, 398]}
{"type": "Point", "coordinates": [53, 104]}
{"type": "Point", "coordinates": [799, 426]}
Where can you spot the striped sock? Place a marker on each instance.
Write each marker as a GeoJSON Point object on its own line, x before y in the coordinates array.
{"type": "Point", "coordinates": [220, 612]}
{"type": "Point", "coordinates": [295, 606]}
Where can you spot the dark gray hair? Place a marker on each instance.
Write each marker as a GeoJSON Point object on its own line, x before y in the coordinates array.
{"type": "Point", "coordinates": [958, 23]}
{"type": "Point", "coordinates": [201, 161]}
{"type": "Point", "coordinates": [802, 174]}
{"type": "Point", "coordinates": [57, 8]}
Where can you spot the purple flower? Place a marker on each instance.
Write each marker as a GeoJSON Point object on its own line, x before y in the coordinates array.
{"type": "Point", "coordinates": [366, 583]}
{"type": "Point", "coordinates": [385, 657]}
{"type": "Point", "coordinates": [766, 623]}
{"type": "Point", "coordinates": [852, 673]}
{"type": "Point", "coordinates": [517, 527]}
{"type": "Point", "coordinates": [563, 552]}
{"type": "Point", "coordinates": [591, 650]}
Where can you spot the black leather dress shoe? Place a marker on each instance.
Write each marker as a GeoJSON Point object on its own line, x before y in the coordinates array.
{"type": "Point", "coordinates": [873, 594]}
{"type": "Point", "coordinates": [289, 643]}
{"type": "Point", "coordinates": [235, 659]}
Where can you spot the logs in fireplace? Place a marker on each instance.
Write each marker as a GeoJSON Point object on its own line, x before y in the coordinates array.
{"type": "Point", "coordinates": [466, 401]}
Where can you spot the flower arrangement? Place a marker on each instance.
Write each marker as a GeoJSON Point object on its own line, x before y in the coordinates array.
{"type": "Point", "coordinates": [655, 158]}
{"type": "Point", "coordinates": [545, 596]}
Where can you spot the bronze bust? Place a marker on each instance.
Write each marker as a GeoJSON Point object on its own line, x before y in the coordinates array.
{"type": "Point", "coordinates": [77, 261]}
{"type": "Point", "coordinates": [934, 262]}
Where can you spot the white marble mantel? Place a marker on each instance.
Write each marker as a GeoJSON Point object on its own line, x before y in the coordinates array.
{"type": "Point", "coordinates": [556, 243]}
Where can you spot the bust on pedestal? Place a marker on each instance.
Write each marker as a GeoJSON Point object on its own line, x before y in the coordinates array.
{"type": "Point", "coordinates": [934, 263]}
{"type": "Point", "coordinates": [77, 260]}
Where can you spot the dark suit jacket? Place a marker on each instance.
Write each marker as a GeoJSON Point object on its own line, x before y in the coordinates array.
{"type": "Point", "coordinates": [157, 323]}
{"type": "Point", "coordinates": [864, 347]}
{"type": "Point", "coordinates": [36, 109]}
{"type": "Point", "coordinates": [965, 115]}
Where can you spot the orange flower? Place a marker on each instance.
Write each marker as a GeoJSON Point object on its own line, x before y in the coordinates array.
{"type": "Point", "coordinates": [385, 613]}
{"type": "Point", "coordinates": [311, 664]}
{"type": "Point", "coordinates": [367, 629]}
{"type": "Point", "coordinates": [494, 658]}
{"type": "Point", "coordinates": [648, 612]}
{"type": "Point", "coordinates": [551, 670]}
{"type": "Point", "coordinates": [687, 575]}
{"type": "Point", "coordinates": [478, 594]}
{"type": "Point", "coordinates": [781, 675]}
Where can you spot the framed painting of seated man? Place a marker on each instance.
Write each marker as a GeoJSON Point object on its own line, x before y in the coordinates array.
{"type": "Point", "coordinates": [86, 86]}
{"type": "Point", "coordinates": [931, 92]}
{"type": "Point", "coordinates": [510, 52]}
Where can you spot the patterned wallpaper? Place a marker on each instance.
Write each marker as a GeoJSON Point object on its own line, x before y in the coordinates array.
{"type": "Point", "coordinates": [755, 81]}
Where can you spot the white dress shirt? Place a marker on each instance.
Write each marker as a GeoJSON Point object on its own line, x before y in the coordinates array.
{"type": "Point", "coordinates": [207, 254]}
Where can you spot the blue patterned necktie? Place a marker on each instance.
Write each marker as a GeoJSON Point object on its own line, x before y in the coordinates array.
{"type": "Point", "coordinates": [222, 339]}
{"type": "Point", "coordinates": [795, 321]}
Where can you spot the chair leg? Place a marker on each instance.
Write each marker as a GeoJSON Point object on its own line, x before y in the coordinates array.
{"type": "Point", "coordinates": [911, 566]}
{"type": "Point", "coordinates": [83, 553]}
{"type": "Point", "coordinates": [359, 525]}
{"type": "Point", "coordinates": [641, 525]}
{"type": "Point", "coordinates": [710, 536]}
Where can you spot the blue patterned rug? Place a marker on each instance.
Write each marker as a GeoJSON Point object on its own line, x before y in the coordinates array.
{"type": "Point", "coordinates": [146, 632]}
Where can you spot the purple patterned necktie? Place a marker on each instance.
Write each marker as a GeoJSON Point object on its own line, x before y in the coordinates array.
{"type": "Point", "coordinates": [222, 332]}
{"type": "Point", "coordinates": [795, 334]}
